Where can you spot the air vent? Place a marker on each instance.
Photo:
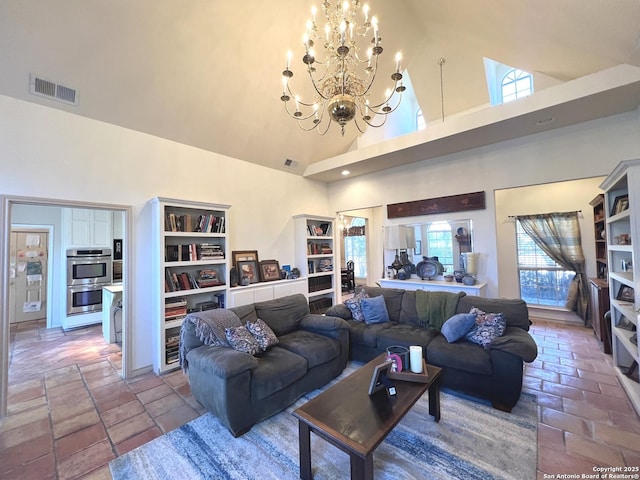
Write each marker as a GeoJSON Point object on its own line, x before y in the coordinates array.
{"type": "Point", "coordinates": [290, 163]}
{"type": "Point", "coordinates": [52, 90]}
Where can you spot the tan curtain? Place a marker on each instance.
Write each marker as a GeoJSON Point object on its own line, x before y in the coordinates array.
{"type": "Point", "coordinates": [558, 235]}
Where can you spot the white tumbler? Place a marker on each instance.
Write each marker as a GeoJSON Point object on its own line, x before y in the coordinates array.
{"type": "Point", "coordinates": [415, 358]}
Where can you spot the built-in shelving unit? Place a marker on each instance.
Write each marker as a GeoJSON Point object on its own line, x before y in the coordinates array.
{"type": "Point", "coordinates": [315, 257]}
{"type": "Point", "coordinates": [191, 265]}
{"type": "Point", "coordinates": [622, 209]}
{"type": "Point", "coordinates": [599, 286]}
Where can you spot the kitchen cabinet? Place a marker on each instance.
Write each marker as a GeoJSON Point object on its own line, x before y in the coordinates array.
{"type": "Point", "coordinates": [87, 227]}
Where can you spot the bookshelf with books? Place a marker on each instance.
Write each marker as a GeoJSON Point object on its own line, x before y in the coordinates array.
{"type": "Point", "coordinates": [191, 265]}
{"type": "Point", "coordinates": [315, 257]}
{"type": "Point", "coordinates": [622, 204]}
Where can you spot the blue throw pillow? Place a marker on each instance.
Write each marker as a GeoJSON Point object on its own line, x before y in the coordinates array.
{"type": "Point", "coordinates": [354, 305]}
{"type": "Point", "coordinates": [374, 310]}
{"type": "Point", "coordinates": [457, 326]}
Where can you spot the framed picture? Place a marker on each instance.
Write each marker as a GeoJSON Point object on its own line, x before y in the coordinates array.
{"type": "Point", "coordinates": [418, 248]}
{"type": "Point", "coordinates": [626, 324]}
{"type": "Point", "coordinates": [249, 269]}
{"type": "Point", "coordinates": [243, 255]}
{"type": "Point", "coordinates": [620, 204]}
{"type": "Point", "coordinates": [269, 270]}
{"type": "Point", "coordinates": [625, 294]}
{"type": "Point", "coordinates": [379, 379]}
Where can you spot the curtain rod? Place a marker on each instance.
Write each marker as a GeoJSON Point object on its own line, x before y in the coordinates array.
{"type": "Point", "coordinates": [516, 216]}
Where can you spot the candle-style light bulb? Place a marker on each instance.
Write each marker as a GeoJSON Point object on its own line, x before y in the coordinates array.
{"type": "Point", "coordinates": [289, 56]}
{"type": "Point", "coordinates": [327, 31]}
{"type": "Point", "coordinates": [313, 13]}
{"type": "Point", "coordinates": [398, 58]}
{"type": "Point", "coordinates": [285, 80]}
{"type": "Point", "coordinates": [297, 98]}
{"type": "Point", "coordinates": [365, 8]}
{"type": "Point", "coordinates": [374, 22]}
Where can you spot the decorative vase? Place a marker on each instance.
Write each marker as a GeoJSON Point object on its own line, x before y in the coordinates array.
{"type": "Point", "coordinates": [458, 274]}
{"type": "Point", "coordinates": [469, 279]}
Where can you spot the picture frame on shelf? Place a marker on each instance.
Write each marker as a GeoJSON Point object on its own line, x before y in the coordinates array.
{"type": "Point", "coordinates": [625, 294]}
{"type": "Point", "coordinates": [620, 204]}
{"type": "Point", "coordinates": [269, 271]}
{"type": "Point", "coordinates": [243, 255]}
{"type": "Point", "coordinates": [249, 269]}
{"type": "Point", "coordinates": [626, 324]}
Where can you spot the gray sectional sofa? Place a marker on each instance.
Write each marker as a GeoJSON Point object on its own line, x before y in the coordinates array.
{"type": "Point", "coordinates": [494, 373]}
{"type": "Point", "coordinates": [241, 389]}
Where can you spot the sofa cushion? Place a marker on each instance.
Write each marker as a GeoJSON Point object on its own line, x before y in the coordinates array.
{"type": "Point", "coordinates": [263, 334]}
{"type": "Point", "coordinates": [487, 328]}
{"type": "Point", "coordinates": [277, 369]}
{"type": "Point", "coordinates": [283, 314]}
{"type": "Point", "coordinates": [408, 312]}
{"type": "Point", "coordinates": [367, 335]}
{"type": "Point", "coordinates": [457, 326]}
{"type": "Point", "coordinates": [405, 335]}
{"type": "Point", "coordinates": [461, 355]}
{"type": "Point", "coordinates": [240, 339]}
{"type": "Point", "coordinates": [354, 304]}
{"type": "Point", "coordinates": [246, 313]}
{"type": "Point", "coordinates": [374, 310]}
{"type": "Point", "coordinates": [515, 310]}
{"type": "Point", "coordinates": [392, 298]}
{"type": "Point", "coordinates": [316, 349]}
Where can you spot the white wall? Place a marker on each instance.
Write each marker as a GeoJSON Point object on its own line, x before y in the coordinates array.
{"type": "Point", "coordinates": [581, 151]}
{"type": "Point", "coordinates": [47, 153]}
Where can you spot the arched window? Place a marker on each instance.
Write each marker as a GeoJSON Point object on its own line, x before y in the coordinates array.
{"type": "Point", "coordinates": [516, 84]}
{"type": "Point", "coordinates": [420, 123]}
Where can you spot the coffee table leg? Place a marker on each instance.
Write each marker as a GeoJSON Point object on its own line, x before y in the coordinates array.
{"type": "Point", "coordinates": [362, 468]}
{"type": "Point", "coordinates": [304, 442]}
{"type": "Point", "coordinates": [434, 401]}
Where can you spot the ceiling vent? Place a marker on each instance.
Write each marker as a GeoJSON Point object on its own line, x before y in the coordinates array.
{"type": "Point", "coordinates": [292, 164]}
{"type": "Point", "coordinates": [54, 91]}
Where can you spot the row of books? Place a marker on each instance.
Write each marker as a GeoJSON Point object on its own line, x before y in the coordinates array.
{"type": "Point", "coordinates": [319, 230]}
{"type": "Point", "coordinates": [208, 223]}
{"type": "Point", "coordinates": [314, 248]}
{"type": "Point", "coordinates": [320, 283]}
{"type": "Point", "coordinates": [193, 251]}
{"type": "Point", "coordinates": [187, 281]}
{"type": "Point", "coordinates": [175, 309]}
{"type": "Point", "coordinates": [172, 348]}
{"type": "Point", "coordinates": [319, 305]}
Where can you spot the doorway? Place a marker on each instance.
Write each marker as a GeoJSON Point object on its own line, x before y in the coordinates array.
{"type": "Point", "coordinates": [6, 207]}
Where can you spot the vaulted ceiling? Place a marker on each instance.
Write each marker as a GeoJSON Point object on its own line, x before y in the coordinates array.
{"type": "Point", "coordinates": [207, 73]}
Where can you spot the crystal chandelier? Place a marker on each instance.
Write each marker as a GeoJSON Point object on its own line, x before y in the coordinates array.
{"type": "Point", "coordinates": [342, 78]}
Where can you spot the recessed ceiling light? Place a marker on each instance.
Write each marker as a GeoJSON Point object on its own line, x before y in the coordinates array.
{"type": "Point", "coordinates": [345, 172]}
{"type": "Point", "coordinates": [545, 121]}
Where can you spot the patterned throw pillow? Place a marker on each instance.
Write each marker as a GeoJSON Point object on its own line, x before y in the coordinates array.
{"type": "Point", "coordinates": [354, 305]}
{"type": "Point", "coordinates": [241, 339]}
{"type": "Point", "coordinates": [488, 327]}
{"type": "Point", "coordinates": [263, 334]}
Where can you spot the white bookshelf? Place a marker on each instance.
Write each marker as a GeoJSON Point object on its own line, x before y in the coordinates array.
{"type": "Point", "coordinates": [190, 258]}
{"type": "Point", "coordinates": [623, 245]}
{"type": "Point", "coordinates": [315, 257]}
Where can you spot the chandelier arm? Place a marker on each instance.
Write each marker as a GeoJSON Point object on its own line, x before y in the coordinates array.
{"type": "Point", "coordinates": [371, 124]}
{"type": "Point", "coordinates": [325, 130]}
{"type": "Point", "coordinates": [382, 112]}
{"type": "Point", "coordinates": [372, 76]}
{"type": "Point", "coordinates": [300, 117]}
{"type": "Point", "coordinates": [355, 120]}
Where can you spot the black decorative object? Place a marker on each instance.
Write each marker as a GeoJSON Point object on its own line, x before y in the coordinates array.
{"type": "Point", "coordinates": [233, 277]}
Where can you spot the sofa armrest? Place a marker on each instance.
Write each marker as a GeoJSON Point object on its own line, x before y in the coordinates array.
{"type": "Point", "coordinates": [517, 342]}
{"type": "Point", "coordinates": [220, 361]}
{"type": "Point", "coordinates": [324, 324]}
{"type": "Point", "coordinates": [340, 311]}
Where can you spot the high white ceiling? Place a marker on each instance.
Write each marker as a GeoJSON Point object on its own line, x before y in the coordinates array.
{"type": "Point", "coordinates": [207, 73]}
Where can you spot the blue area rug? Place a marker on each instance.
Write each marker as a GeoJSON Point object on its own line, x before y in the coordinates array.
{"type": "Point", "coordinates": [471, 441]}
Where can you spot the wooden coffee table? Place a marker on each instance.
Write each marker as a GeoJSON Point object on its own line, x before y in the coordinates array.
{"type": "Point", "coordinates": [347, 417]}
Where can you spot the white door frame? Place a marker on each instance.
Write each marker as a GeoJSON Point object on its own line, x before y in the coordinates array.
{"type": "Point", "coordinates": [6, 203]}
{"type": "Point", "coordinates": [49, 229]}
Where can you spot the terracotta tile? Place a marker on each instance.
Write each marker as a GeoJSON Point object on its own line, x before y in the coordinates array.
{"type": "Point", "coordinates": [543, 374]}
{"type": "Point", "coordinates": [63, 394]}
{"type": "Point", "coordinates": [613, 390]}
{"type": "Point", "coordinates": [23, 433]}
{"type": "Point", "coordinates": [565, 370]}
{"type": "Point", "coordinates": [59, 413]}
{"type": "Point", "coordinates": [25, 391]}
{"type": "Point", "coordinates": [146, 383]}
{"type": "Point", "coordinates": [164, 404]}
{"type": "Point", "coordinates": [101, 381]}
{"type": "Point", "coordinates": [585, 447]}
{"type": "Point", "coordinates": [121, 413]}
{"type": "Point", "coordinates": [25, 452]}
{"type": "Point", "coordinates": [127, 429]}
{"type": "Point", "coordinates": [565, 421]}
{"type": "Point", "coordinates": [562, 390]}
{"type": "Point", "coordinates": [76, 423]}
{"type": "Point", "coordinates": [581, 383]}
{"type": "Point", "coordinates": [24, 418]}
{"type": "Point", "coordinates": [155, 393]}
{"type": "Point", "coordinates": [176, 378]}
{"type": "Point", "coordinates": [85, 461]}
{"type": "Point", "coordinates": [598, 377]}
{"type": "Point", "coordinates": [137, 440]}
{"type": "Point", "coordinates": [630, 422]}
{"type": "Point", "coordinates": [42, 468]}
{"type": "Point", "coordinates": [617, 436]}
{"type": "Point", "coordinates": [580, 408]}
{"type": "Point", "coordinates": [176, 418]}
{"type": "Point", "coordinates": [62, 376]}
{"type": "Point", "coordinates": [557, 461]}
{"type": "Point", "coordinates": [550, 401]}
{"type": "Point", "coordinates": [76, 441]}
{"type": "Point", "coordinates": [608, 403]}
{"type": "Point", "coordinates": [101, 473]}
{"type": "Point", "coordinates": [548, 435]}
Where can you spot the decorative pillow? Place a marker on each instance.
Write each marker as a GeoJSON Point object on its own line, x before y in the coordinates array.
{"type": "Point", "coordinates": [488, 327]}
{"type": "Point", "coordinates": [456, 327]}
{"type": "Point", "coordinates": [354, 305]}
{"type": "Point", "coordinates": [374, 310]}
{"type": "Point", "coordinates": [241, 339]}
{"type": "Point", "coordinates": [263, 334]}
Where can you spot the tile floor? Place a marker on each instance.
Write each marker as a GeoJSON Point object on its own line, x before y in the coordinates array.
{"type": "Point", "coordinates": [70, 413]}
